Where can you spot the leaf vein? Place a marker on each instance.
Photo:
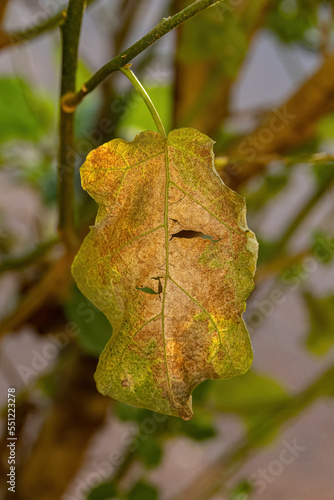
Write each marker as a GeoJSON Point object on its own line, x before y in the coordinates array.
{"type": "Point", "coordinates": [205, 208]}
{"type": "Point", "coordinates": [190, 154]}
{"type": "Point", "coordinates": [210, 318]}
{"type": "Point", "coordinates": [128, 167]}
{"type": "Point", "coordinates": [125, 245]}
{"type": "Point", "coordinates": [133, 336]}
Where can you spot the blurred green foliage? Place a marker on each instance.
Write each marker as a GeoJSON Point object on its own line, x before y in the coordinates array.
{"type": "Point", "coordinates": [94, 330]}
{"type": "Point", "coordinates": [270, 185]}
{"type": "Point", "coordinates": [141, 490]}
{"type": "Point", "coordinates": [24, 114]}
{"type": "Point", "coordinates": [150, 451]}
{"type": "Point", "coordinates": [221, 37]}
{"type": "Point", "coordinates": [205, 38]}
{"type": "Point", "coordinates": [135, 116]}
{"type": "Point", "coordinates": [290, 20]}
{"type": "Point", "coordinates": [320, 337]}
{"type": "Point", "coordinates": [245, 395]}
{"type": "Point", "coordinates": [241, 491]}
{"type": "Point", "coordinates": [104, 491]}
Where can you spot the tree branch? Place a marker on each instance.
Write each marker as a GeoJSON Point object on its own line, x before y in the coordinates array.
{"type": "Point", "coordinates": [70, 42]}
{"type": "Point", "coordinates": [285, 128]}
{"type": "Point", "coordinates": [279, 265]}
{"type": "Point", "coordinates": [3, 6]}
{"type": "Point", "coordinates": [71, 100]}
{"type": "Point", "coordinates": [11, 39]}
{"type": "Point", "coordinates": [15, 263]}
{"type": "Point", "coordinates": [53, 286]}
{"type": "Point", "coordinates": [206, 77]}
{"type": "Point", "coordinates": [77, 413]}
{"type": "Point", "coordinates": [304, 211]}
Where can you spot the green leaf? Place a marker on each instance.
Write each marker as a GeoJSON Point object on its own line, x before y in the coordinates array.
{"type": "Point", "coordinates": [267, 250]}
{"type": "Point", "coordinates": [320, 337]}
{"type": "Point", "coordinates": [255, 398]}
{"type": "Point", "coordinates": [104, 491]}
{"type": "Point", "coordinates": [150, 451]}
{"type": "Point", "coordinates": [323, 246]}
{"type": "Point", "coordinates": [143, 491]}
{"type": "Point", "coordinates": [150, 192]}
{"type": "Point", "coordinates": [325, 126]}
{"type": "Point", "coordinates": [23, 114]}
{"type": "Point", "coordinates": [201, 427]}
{"type": "Point", "coordinates": [241, 492]}
{"type": "Point", "coordinates": [46, 383]}
{"type": "Point", "coordinates": [94, 328]}
{"type": "Point", "coordinates": [324, 172]}
{"type": "Point", "coordinates": [201, 392]}
{"type": "Point", "coordinates": [248, 395]}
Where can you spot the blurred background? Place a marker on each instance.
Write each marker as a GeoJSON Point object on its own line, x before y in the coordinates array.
{"type": "Point", "coordinates": [257, 76]}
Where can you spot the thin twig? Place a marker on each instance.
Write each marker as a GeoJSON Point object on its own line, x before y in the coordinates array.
{"type": "Point", "coordinates": [10, 39]}
{"type": "Point", "coordinates": [70, 101]}
{"type": "Point", "coordinates": [53, 286]}
{"type": "Point", "coordinates": [16, 263]}
{"type": "Point", "coordinates": [70, 42]}
{"type": "Point", "coordinates": [279, 265]}
{"type": "Point", "coordinates": [304, 211]}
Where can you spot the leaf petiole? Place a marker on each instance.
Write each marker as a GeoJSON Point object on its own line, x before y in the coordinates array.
{"type": "Point", "coordinates": [146, 98]}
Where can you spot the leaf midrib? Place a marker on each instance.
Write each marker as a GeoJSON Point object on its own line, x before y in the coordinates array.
{"type": "Point", "coordinates": [167, 261]}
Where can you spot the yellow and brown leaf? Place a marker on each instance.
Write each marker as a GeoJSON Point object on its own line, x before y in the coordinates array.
{"type": "Point", "coordinates": [170, 261]}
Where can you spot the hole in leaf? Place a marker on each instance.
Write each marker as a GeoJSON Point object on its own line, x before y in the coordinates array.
{"type": "Point", "coordinates": [146, 289]}
{"type": "Point", "coordinates": [149, 290]}
{"type": "Point", "coordinates": [159, 284]}
{"type": "Point", "coordinates": [193, 234]}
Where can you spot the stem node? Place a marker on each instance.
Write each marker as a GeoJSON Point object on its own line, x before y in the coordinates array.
{"type": "Point", "coordinates": [66, 104]}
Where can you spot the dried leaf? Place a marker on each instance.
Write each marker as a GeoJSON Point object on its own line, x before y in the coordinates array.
{"type": "Point", "coordinates": [166, 223]}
